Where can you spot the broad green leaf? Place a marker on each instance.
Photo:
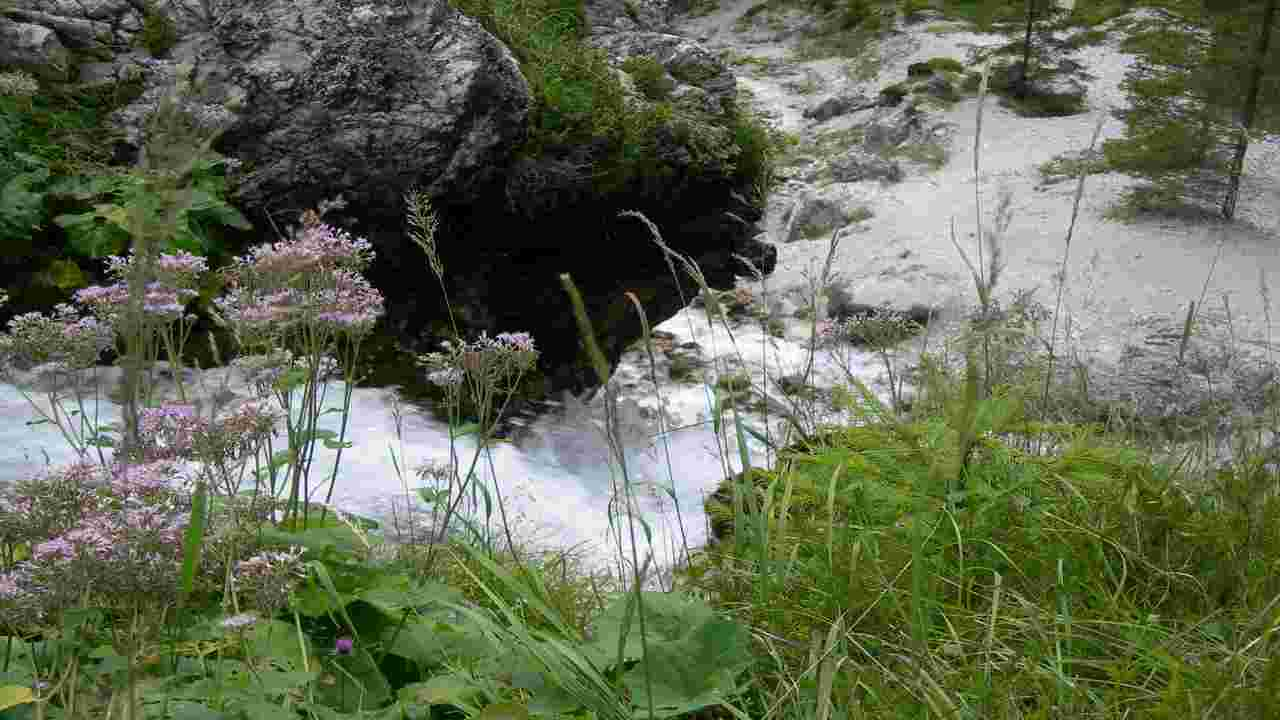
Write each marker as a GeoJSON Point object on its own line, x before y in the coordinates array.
{"type": "Point", "coordinates": [193, 541]}
{"type": "Point", "coordinates": [393, 593]}
{"type": "Point", "coordinates": [187, 710]}
{"type": "Point", "coordinates": [277, 640]}
{"type": "Point", "coordinates": [504, 711]}
{"type": "Point", "coordinates": [451, 689]}
{"type": "Point", "coordinates": [266, 711]}
{"type": "Point", "coordinates": [14, 695]}
{"type": "Point", "coordinates": [274, 682]}
{"type": "Point", "coordinates": [360, 674]}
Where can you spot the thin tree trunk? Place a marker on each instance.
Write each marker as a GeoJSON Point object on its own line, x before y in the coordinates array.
{"type": "Point", "coordinates": [1025, 85]}
{"type": "Point", "coordinates": [1250, 108]}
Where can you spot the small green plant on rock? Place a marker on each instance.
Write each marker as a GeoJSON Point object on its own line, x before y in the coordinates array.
{"type": "Point", "coordinates": [650, 76]}
{"type": "Point", "coordinates": [159, 34]}
{"type": "Point", "coordinates": [945, 64]}
{"type": "Point", "coordinates": [684, 368]}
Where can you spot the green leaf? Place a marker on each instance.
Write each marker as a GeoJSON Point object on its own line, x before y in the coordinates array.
{"type": "Point", "coordinates": [193, 540]}
{"type": "Point", "coordinates": [21, 209]}
{"type": "Point", "coordinates": [393, 593]}
{"type": "Point", "coordinates": [277, 640]}
{"type": "Point", "coordinates": [14, 695]}
{"type": "Point", "coordinates": [465, 429]}
{"type": "Point", "coordinates": [361, 681]}
{"type": "Point", "coordinates": [187, 710]}
{"type": "Point", "coordinates": [452, 689]}
{"type": "Point", "coordinates": [274, 682]}
{"type": "Point", "coordinates": [266, 711]}
{"type": "Point", "coordinates": [64, 275]}
{"type": "Point", "coordinates": [504, 711]}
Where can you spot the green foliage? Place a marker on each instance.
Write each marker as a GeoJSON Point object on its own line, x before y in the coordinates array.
{"type": "Point", "coordinates": [575, 96]}
{"type": "Point", "coordinates": [945, 64]}
{"type": "Point", "coordinates": [983, 13]}
{"type": "Point", "coordinates": [860, 13]}
{"type": "Point", "coordinates": [1183, 94]}
{"type": "Point", "coordinates": [757, 148]}
{"type": "Point", "coordinates": [650, 76]}
{"type": "Point", "coordinates": [104, 229]}
{"type": "Point", "coordinates": [159, 33]}
{"type": "Point", "coordinates": [912, 8]}
{"type": "Point", "coordinates": [896, 92]}
{"type": "Point", "coordinates": [1085, 38]}
{"type": "Point", "coordinates": [578, 104]}
{"type": "Point", "coordinates": [1090, 13]}
{"type": "Point", "coordinates": [684, 368]}
{"type": "Point", "coordinates": [734, 383]}
{"type": "Point", "coordinates": [53, 166]}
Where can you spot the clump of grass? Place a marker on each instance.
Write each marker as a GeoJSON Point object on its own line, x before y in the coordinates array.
{"type": "Point", "coordinates": [735, 383]}
{"type": "Point", "coordinates": [1069, 165]}
{"type": "Point", "coordinates": [945, 64]}
{"type": "Point", "coordinates": [979, 574]}
{"type": "Point", "coordinates": [159, 33]}
{"type": "Point", "coordinates": [1085, 38]}
{"type": "Point", "coordinates": [1090, 13]}
{"type": "Point", "coordinates": [930, 153]}
{"type": "Point", "coordinates": [650, 76]}
{"type": "Point", "coordinates": [684, 367]}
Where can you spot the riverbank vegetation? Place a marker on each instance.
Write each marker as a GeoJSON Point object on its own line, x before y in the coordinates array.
{"type": "Point", "coordinates": [993, 544]}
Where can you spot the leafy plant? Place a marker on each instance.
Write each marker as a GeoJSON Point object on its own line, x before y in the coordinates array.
{"type": "Point", "coordinates": [159, 33]}
{"type": "Point", "coordinates": [103, 230]}
{"type": "Point", "coordinates": [650, 76]}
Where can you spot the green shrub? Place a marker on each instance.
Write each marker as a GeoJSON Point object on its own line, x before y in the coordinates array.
{"type": "Point", "coordinates": [684, 368]}
{"type": "Point", "coordinates": [912, 8]}
{"type": "Point", "coordinates": [1085, 38]}
{"type": "Point", "coordinates": [1095, 12]}
{"type": "Point", "coordinates": [945, 64]}
{"type": "Point", "coordinates": [159, 34]}
{"type": "Point", "coordinates": [734, 382]}
{"type": "Point", "coordinates": [896, 92]}
{"type": "Point", "coordinates": [857, 12]}
{"type": "Point", "coordinates": [650, 76]}
{"type": "Point", "coordinates": [757, 149]}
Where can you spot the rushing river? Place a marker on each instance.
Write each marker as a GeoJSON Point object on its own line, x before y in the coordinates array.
{"type": "Point", "coordinates": [555, 476]}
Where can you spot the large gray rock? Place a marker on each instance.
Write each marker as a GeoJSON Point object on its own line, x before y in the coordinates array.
{"type": "Point", "coordinates": [893, 126]}
{"type": "Point", "coordinates": [341, 99]}
{"type": "Point", "coordinates": [857, 165]}
{"type": "Point", "coordinates": [838, 105]}
{"type": "Point", "coordinates": [362, 100]}
{"type": "Point", "coordinates": [35, 49]}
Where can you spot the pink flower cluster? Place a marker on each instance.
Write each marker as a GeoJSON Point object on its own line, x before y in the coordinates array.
{"type": "Point", "coordinates": [270, 577]}
{"type": "Point", "coordinates": [103, 536]}
{"type": "Point", "coordinates": [143, 479]}
{"type": "Point", "coordinates": [266, 566]}
{"type": "Point", "coordinates": [169, 287]}
{"type": "Point", "coordinates": [486, 358]}
{"type": "Point", "coordinates": [317, 249]}
{"type": "Point", "coordinates": [351, 305]}
{"type": "Point", "coordinates": [138, 501]}
{"type": "Point", "coordinates": [159, 302]}
{"type": "Point", "coordinates": [64, 338]}
{"type": "Point", "coordinates": [177, 432]}
{"type": "Point", "coordinates": [313, 279]}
